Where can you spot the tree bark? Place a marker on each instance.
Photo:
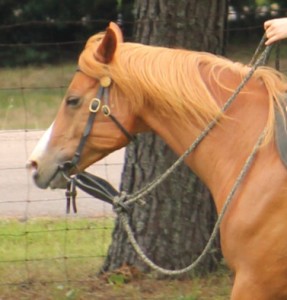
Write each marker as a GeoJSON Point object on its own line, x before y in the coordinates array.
{"type": "Point", "coordinates": [175, 224]}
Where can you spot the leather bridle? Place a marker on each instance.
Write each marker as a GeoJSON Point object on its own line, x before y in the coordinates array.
{"type": "Point", "coordinates": [94, 107]}
{"type": "Point", "coordinates": [84, 180]}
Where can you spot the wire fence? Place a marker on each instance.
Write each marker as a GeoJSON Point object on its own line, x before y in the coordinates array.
{"type": "Point", "coordinates": [37, 238]}
{"type": "Point", "coordinates": [39, 243]}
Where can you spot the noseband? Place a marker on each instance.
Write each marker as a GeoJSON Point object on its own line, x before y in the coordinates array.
{"type": "Point", "coordinates": [94, 107]}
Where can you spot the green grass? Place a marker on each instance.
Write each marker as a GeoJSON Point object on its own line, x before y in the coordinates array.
{"type": "Point", "coordinates": [30, 96]}
{"type": "Point", "coordinates": [29, 109]}
{"type": "Point", "coordinates": [54, 259]}
{"type": "Point", "coordinates": [52, 250]}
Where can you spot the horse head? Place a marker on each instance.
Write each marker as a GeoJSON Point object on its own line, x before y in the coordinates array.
{"type": "Point", "coordinates": [93, 119]}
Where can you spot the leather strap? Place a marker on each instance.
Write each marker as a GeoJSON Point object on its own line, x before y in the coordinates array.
{"type": "Point", "coordinates": [95, 186]}
{"type": "Point", "coordinates": [94, 107]}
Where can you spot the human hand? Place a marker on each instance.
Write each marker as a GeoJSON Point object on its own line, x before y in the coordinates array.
{"type": "Point", "coordinates": [276, 29]}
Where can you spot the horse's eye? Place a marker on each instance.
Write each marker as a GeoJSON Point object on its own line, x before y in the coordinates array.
{"type": "Point", "coordinates": [73, 101]}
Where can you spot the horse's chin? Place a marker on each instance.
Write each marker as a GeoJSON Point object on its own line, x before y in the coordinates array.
{"type": "Point", "coordinates": [53, 180]}
{"type": "Point", "coordinates": [58, 182]}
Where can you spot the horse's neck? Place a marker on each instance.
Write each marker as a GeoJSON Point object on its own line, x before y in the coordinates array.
{"type": "Point", "coordinates": [221, 155]}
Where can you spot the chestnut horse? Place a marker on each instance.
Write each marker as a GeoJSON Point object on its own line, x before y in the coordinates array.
{"type": "Point", "coordinates": [175, 93]}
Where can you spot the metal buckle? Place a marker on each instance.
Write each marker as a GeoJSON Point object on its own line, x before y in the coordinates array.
{"type": "Point", "coordinates": [106, 110]}
{"type": "Point", "coordinates": [95, 105]}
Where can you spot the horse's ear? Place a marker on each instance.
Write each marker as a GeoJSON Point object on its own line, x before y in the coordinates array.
{"type": "Point", "coordinates": [107, 48]}
{"type": "Point", "coordinates": [117, 30]}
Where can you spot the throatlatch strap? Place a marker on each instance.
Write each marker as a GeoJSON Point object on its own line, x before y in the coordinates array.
{"type": "Point", "coordinates": [122, 128]}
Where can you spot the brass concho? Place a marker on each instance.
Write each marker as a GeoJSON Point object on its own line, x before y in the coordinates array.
{"type": "Point", "coordinates": [105, 81]}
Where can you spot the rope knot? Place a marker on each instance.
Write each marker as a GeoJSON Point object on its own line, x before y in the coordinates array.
{"type": "Point", "coordinates": [119, 202]}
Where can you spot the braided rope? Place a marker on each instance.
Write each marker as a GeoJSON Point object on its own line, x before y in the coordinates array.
{"type": "Point", "coordinates": [124, 219]}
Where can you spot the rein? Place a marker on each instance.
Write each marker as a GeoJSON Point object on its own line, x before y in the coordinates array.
{"type": "Point", "coordinates": [101, 189]}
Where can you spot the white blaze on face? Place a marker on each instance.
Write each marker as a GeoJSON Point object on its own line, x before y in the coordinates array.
{"type": "Point", "coordinates": [43, 165]}
{"type": "Point", "coordinates": [41, 147]}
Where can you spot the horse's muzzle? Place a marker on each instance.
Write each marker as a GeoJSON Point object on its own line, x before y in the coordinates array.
{"type": "Point", "coordinates": [43, 180]}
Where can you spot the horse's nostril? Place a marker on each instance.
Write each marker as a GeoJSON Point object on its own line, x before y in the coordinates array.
{"type": "Point", "coordinates": [32, 164]}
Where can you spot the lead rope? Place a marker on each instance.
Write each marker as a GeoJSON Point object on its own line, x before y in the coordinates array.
{"type": "Point", "coordinates": [123, 200]}
{"type": "Point", "coordinates": [124, 219]}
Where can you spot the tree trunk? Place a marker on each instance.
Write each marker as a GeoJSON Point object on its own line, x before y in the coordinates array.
{"type": "Point", "coordinates": [175, 224]}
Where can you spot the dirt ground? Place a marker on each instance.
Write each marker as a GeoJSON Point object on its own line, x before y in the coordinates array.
{"type": "Point", "coordinates": [216, 286]}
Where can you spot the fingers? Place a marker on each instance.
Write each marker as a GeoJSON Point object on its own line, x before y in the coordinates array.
{"type": "Point", "coordinates": [267, 24]}
{"type": "Point", "coordinates": [269, 31]}
{"type": "Point", "coordinates": [276, 29]}
{"type": "Point", "coordinates": [270, 35]}
{"type": "Point", "coordinates": [270, 41]}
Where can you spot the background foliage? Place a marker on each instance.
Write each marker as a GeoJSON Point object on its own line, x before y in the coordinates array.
{"type": "Point", "coordinates": [40, 24]}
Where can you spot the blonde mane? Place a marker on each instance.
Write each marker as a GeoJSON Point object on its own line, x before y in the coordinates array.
{"type": "Point", "coordinates": [170, 80]}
